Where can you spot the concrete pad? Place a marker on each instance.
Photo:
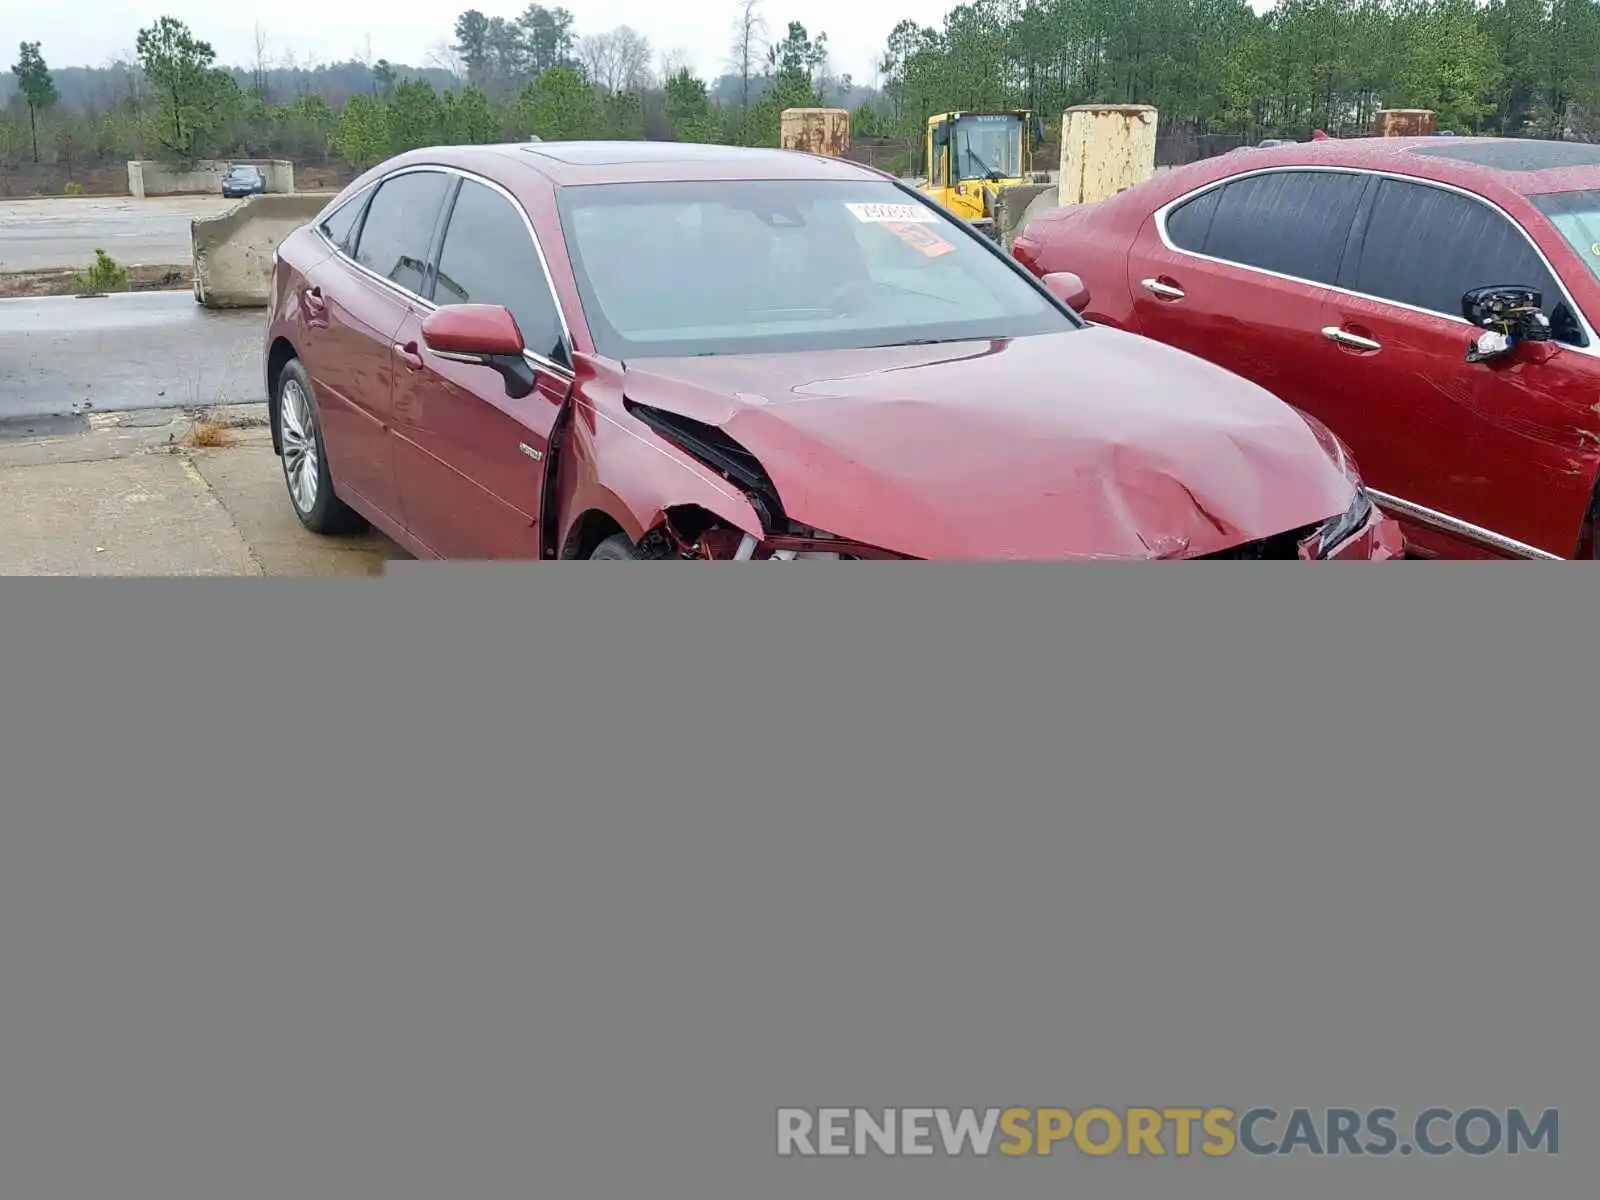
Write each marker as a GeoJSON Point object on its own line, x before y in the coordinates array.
{"type": "Point", "coordinates": [247, 479]}
{"type": "Point", "coordinates": [128, 495]}
{"type": "Point", "coordinates": [151, 515]}
{"type": "Point", "coordinates": [36, 235]}
{"type": "Point", "coordinates": [63, 356]}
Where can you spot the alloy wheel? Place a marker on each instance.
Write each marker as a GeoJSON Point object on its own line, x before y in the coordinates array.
{"type": "Point", "coordinates": [301, 453]}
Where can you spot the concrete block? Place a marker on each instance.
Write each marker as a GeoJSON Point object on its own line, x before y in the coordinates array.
{"type": "Point", "coordinates": [233, 250]}
{"type": "Point", "coordinates": [1404, 122]}
{"type": "Point", "coordinates": [1105, 149]}
{"type": "Point", "coordinates": [824, 131]}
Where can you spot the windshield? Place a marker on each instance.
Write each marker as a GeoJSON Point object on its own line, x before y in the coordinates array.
{"type": "Point", "coordinates": [986, 145]}
{"type": "Point", "coordinates": [763, 266]}
{"type": "Point", "coordinates": [1576, 216]}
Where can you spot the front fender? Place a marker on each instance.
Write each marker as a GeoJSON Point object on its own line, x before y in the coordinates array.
{"type": "Point", "coordinates": [634, 477]}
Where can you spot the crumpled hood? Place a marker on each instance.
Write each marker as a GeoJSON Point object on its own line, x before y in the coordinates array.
{"type": "Point", "coordinates": [1085, 444]}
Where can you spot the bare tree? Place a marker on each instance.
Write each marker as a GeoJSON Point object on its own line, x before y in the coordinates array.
{"type": "Point", "coordinates": [364, 57]}
{"type": "Point", "coordinates": [617, 61]}
{"type": "Point", "coordinates": [444, 55]}
{"type": "Point", "coordinates": [260, 64]}
{"type": "Point", "coordinates": [670, 62]}
{"type": "Point", "coordinates": [749, 44]}
{"type": "Point", "coordinates": [828, 82]}
{"type": "Point", "coordinates": [132, 90]}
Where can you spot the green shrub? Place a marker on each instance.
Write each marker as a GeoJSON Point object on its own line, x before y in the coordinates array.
{"type": "Point", "coordinates": [73, 188]}
{"type": "Point", "coordinates": [105, 274]}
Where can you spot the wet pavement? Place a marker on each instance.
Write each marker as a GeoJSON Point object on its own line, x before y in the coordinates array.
{"type": "Point", "coordinates": [62, 357]}
{"type": "Point", "coordinates": [36, 235]}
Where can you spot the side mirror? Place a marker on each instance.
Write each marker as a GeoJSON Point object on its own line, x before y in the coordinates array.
{"type": "Point", "coordinates": [1067, 288]}
{"type": "Point", "coordinates": [1508, 315]}
{"type": "Point", "coordinates": [484, 335]}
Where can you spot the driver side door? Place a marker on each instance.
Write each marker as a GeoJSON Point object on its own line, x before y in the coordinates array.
{"type": "Point", "coordinates": [1489, 443]}
{"type": "Point", "coordinates": [469, 459]}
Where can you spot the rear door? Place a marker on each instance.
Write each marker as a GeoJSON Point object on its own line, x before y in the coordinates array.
{"type": "Point", "coordinates": [470, 459]}
{"type": "Point", "coordinates": [362, 299]}
{"type": "Point", "coordinates": [1238, 274]}
{"type": "Point", "coordinates": [1493, 444]}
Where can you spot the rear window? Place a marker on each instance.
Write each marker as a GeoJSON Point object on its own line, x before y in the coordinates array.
{"type": "Point", "coordinates": [757, 266]}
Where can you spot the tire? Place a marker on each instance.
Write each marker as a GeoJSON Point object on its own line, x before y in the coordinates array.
{"type": "Point", "coordinates": [305, 462]}
{"type": "Point", "coordinates": [618, 547]}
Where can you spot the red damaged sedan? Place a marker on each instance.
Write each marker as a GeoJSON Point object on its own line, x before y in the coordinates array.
{"type": "Point", "coordinates": [650, 351]}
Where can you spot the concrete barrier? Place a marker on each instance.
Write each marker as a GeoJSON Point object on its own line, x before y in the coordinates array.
{"type": "Point", "coordinates": [233, 250]}
{"type": "Point", "coordinates": [147, 177]}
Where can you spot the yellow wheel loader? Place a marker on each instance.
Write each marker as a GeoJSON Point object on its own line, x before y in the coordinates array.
{"type": "Point", "coordinates": [970, 157]}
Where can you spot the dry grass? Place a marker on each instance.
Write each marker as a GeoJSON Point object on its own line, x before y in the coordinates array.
{"type": "Point", "coordinates": [208, 434]}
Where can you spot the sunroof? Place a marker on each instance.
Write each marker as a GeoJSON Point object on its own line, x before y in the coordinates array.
{"type": "Point", "coordinates": [602, 154]}
{"type": "Point", "coordinates": [1515, 154]}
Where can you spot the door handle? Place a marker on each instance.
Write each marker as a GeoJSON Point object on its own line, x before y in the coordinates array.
{"type": "Point", "coordinates": [1354, 340]}
{"type": "Point", "coordinates": [1164, 290]}
{"type": "Point", "coordinates": [409, 355]}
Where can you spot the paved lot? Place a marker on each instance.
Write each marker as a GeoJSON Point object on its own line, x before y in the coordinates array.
{"type": "Point", "coordinates": [132, 500]}
{"type": "Point", "coordinates": [61, 355]}
{"type": "Point", "coordinates": [65, 232]}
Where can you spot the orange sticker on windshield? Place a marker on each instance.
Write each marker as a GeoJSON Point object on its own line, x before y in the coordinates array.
{"type": "Point", "coordinates": [918, 238]}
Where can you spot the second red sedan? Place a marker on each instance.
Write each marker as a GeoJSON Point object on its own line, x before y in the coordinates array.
{"type": "Point", "coordinates": [1431, 299]}
{"type": "Point", "coordinates": [647, 351]}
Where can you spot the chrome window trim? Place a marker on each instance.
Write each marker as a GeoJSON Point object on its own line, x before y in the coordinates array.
{"type": "Point", "coordinates": [412, 297]}
{"type": "Point", "coordinates": [1592, 349]}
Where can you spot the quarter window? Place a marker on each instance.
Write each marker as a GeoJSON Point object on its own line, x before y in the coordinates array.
{"type": "Point", "coordinates": [398, 231]}
{"type": "Point", "coordinates": [490, 258]}
{"type": "Point", "coordinates": [1294, 223]}
{"type": "Point", "coordinates": [1188, 224]}
{"type": "Point", "coordinates": [341, 223]}
{"type": "Point", "coordinates": [1426, 247]}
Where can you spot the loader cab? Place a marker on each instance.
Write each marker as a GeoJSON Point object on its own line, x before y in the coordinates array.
{"type": "Point", "coordinates": [969, 154]}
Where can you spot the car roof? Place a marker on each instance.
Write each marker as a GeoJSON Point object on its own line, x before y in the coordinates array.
{"type": "Point", "coordinates": [576, 163]}
{"type": "Point", "coordinates": [1526, 166]}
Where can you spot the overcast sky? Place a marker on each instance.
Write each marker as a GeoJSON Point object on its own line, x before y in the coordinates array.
{"type": "Point", "coordinates": [89, 32]}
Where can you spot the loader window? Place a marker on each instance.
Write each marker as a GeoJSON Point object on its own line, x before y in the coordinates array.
{"type": "Point", "coordinates": [988, 147]}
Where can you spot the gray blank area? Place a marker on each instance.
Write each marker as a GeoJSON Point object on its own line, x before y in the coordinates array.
{"type": "Point", "coordinates": [507, 882]}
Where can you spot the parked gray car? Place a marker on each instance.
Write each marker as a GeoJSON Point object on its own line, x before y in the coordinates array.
{"type": "Point", "coordinates": [243, 180]}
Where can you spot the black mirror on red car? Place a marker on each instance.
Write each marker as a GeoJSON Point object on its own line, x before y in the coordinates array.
{"type": "Point", "coordinates": [1068, 288]}
{"type": "Point", "coordinates": [1508, 315]}
{"type": "Point", "coordinates": [482, 335]}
